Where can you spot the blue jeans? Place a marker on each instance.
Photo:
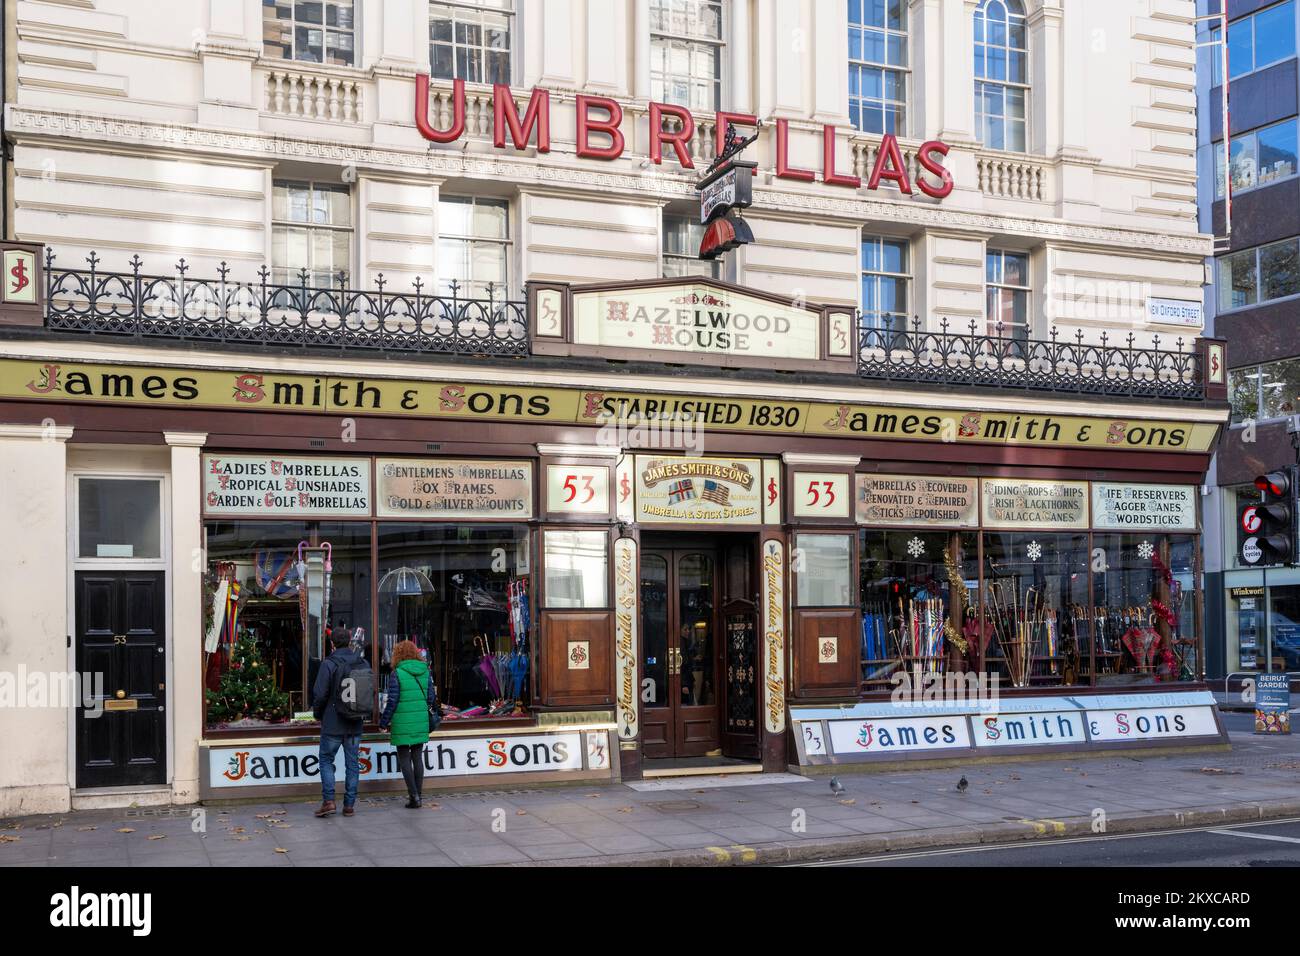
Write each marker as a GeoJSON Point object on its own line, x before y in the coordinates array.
{"type": "Point", "coordinates": [329, 746]}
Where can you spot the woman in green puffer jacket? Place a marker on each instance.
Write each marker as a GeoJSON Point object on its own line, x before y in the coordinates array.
{"type": "Point", "coordinates": [407, 712]}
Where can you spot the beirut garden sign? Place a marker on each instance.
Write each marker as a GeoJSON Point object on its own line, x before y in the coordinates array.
{"type": "Point", "coordinates": [536, 124]}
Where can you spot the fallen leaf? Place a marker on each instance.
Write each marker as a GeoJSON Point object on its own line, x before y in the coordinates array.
{"type": "Point", "coordinates": [280, 849]}
{"type": "Point", "coordinates": [6, 838]}
{"type": "Point", "coordinates": [86, 829]}
{"type": "Point", "coordinates": [849, 802]}
{"type": "Point", "coordinates": [624, 809]}
{"type": "Point", "coordinates": [988, 791]}
{"type": "Point", "coordinates": [592, 795]}
{"type": "Point", "coordinates": [158, 836]}
{"type": "Point", "coordinates": [521, 813]}
{"type": "Point", "coordinates": [125, 830]}
{"type": "Point", "coordinates": [243, 839]}
{"type": "Point", "coordinates": [435, 806]}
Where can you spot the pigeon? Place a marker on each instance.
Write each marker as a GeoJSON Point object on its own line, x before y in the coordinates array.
{"type": "Point", "coordinates": [837, 788]}
{"type": "Point", "coordinates": [962, 784]}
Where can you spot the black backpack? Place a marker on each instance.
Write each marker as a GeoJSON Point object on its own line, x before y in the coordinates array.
{"type": "Point", "coordinates": [355, 694]}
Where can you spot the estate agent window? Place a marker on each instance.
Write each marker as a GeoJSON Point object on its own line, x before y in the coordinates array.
{"type": "Point", "coordinates": [1001, 75]}
{"type": "Point", "coordinates": [311, 31]}
{"type": "Point", "coordinates": [1007, 294]}
{"type": "Point", "coordinates": [686, 53]}
{"type": "Point", "coordinates": [311, 228]}
{"type": "Point", "coordinates": [878, 66]}
{"type": "Point", "coordinates": [1256, 41]}
{"type": "Point", "coordinates": [474, 246]}
{"type": "Point", "coordinates": [472, 40]}
{"type": "Point", "coordinates": [885, 277]}
{"type": "Point", "coordinates": [1259, 275]}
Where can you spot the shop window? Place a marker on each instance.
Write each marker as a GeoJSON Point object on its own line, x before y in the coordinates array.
{"type": "Point", "coordinates": [1256, 276]}
{"type": "Point", "coordinates": [1007, 294]}
{"type": "Point", "coordinates": [119, 518]}
{"type": "Point", "coordinates": [1001, 75]}
{"type": "Point", "coordinates": [686, 53]}
{"type": "Point", "coordinates": [920, 604]}
{"type": "Point", "coordinates": [273, 594]}
{"type": "Point", "coordinates": [474, 246]}
{"type": "Point", "coordinates": [878, 66]}
{"type": "Point", "coordinates": [576, 567]}
{"type": "Point", "coordinates": [311, 31]}
{"type": "Point", "coordinates": [823, 570]}
{"type": "Point", "coordinates": [1259, 158]}
{"type": "Point", "coordinates": [885, 279]}
{"type": "Point", "coordinates": [1255, 42]}
{"type": "Point", "coordinates": [1037, 605]}
{"type": "Point", "coordinates": [682, 238]}
{"type": "Point", "coordinates": [311, 228]}
{"type": "Point", "coordinates": [1284, 628]}
{"type": "Point", "coordinates": [1264, 392]}
{"type": "Point", "coordinates": [472, 40]}
{"type": "Point", "coordinates": [1145, 613]}
{"type": "Point", "coordinates": [462, 595]}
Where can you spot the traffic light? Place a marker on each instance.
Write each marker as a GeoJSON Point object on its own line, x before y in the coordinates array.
{"type": "Point", "coordinates": [1271, 524]}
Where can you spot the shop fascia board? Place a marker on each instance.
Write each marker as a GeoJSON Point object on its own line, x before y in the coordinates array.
{"type": "Point", "coordinates": [31, 124]}
{"type": "Point", "coordinates": [862, 394]}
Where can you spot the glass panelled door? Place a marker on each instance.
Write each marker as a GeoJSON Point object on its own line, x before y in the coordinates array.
{"type": "Point", "coordinates": [679, 627]}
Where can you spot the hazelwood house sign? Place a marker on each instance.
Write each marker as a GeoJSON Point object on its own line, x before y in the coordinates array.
{"type": "Point", "coordinates": [604, 116]}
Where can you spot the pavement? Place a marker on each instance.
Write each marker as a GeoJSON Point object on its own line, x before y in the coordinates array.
{"type": "Point", "coordinates": [765, 819]}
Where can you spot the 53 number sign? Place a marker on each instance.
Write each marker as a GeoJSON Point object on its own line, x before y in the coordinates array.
{"type": "Point", "coordinates": [577, 490]}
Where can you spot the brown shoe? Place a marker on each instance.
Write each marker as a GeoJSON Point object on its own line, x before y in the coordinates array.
{"type": "Point", "coordinates": [349, 811]}
{"type": "Point", "coordinates": [327, 809]}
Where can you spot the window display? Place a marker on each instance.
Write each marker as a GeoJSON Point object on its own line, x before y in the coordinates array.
{"type": "Point", "coordinates": [1035, 601]}
{"type": "Point", "coordinates": [1145, 613]}
{"type": "Point", "coordinates": [461, 595]}
{"type": "Point", "coordinates": [919, 604]}
{"type": "Point", "coordinates": [273, 593]}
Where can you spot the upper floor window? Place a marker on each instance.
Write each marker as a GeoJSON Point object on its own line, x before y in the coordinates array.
{"type": "Point", "coordinates": [682, 238]}
{"type": "Point", "coordinates": [686, 51]}
{"type": "Point", "coordinates": [311, 228]}
{"type": "Point", "coordinates": [1262, 392]}
{"type": "Point", "coordinates": [1006, 286]}
{"type": "Point", "coordinates": [1254, 42]}
{"type": "Point", "coordinates": [1259, 275]}
{"type": "Point", "coordinates": [471, 40]}
{"type": "Point", "coordinates": [474, 246]}
{"type": "Point", "coordinates": [314, 31]}
{"type": "Point", "coordinates": [878, 65]}
{"type": "Point", "coordinates": [1001, 74]}
{"type": "Point", "coordinates": [1259, 157]}
{"type": "Point", "coordinates": [885, 277]}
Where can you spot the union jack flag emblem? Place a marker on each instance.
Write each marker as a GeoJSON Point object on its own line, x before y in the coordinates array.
{"type": "Point", "coordinates": [680, 491]}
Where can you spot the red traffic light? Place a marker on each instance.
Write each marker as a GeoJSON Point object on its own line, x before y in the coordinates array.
{"type": "Point", "coordinates": [1277, 483]}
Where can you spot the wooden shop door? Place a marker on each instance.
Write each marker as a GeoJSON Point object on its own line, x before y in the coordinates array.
{"type": "Point", "coordinates": [681, 652]}
{"type": "Point", "coordinates": [120, 634]}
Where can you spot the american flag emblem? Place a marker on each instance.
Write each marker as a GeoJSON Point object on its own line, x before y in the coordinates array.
{"type": "Point", "coordinates": [680, 491]}
{"type": "Point", "coordinates": [716, 492]}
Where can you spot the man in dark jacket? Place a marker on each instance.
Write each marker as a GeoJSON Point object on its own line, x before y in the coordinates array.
{"type": "Point", "coordinates": [335, 729]}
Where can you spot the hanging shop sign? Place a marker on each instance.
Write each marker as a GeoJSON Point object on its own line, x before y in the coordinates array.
{"type": "Point", "coordinates": [711, 491]}
{"type": "Point", "coordinates": [453, 488]}
{"type": "Point", "coordinates": [284, 485]}
{"type": "Point", "coordinates": [276, 765]}
{"type": "Point", "coordinates": [1026, 503]}
{"type": "Point", "coordinates": [773, 572]}
{"type": "Point", "coordinates": [1145, 507]}
{"type": "Point", "coordinates": [603, 116]}
{"type": "Point", "coordinates": [626, 617]}
{"type": "Point", "coordinates": [171, 387]}
{"type": "Point", "coordinates": [904, 500]}
{"type": "Point", "coordinates": [698, 318]}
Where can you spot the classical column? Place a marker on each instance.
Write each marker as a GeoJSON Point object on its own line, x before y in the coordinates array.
{"type": "Point", "coordinates": [957, 97]}
{"type": "Point", "coordinates": [739, 42]}
{"type": "Point", "coordinates": [35, 772]}
{"type": "Point", "coordinates": [641, 50]}
{"type": "Point", "coordinates": [227, 49]}
{"type": "Point", "coordinates": [830, 52]}
{"type": "Point", "coordinates": [185, 640]}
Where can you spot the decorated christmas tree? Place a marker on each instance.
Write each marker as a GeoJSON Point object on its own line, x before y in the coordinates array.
{"type": "Point", "coordinates": [247, 689]}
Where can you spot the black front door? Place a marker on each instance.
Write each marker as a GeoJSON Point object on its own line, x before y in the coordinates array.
{"type": "Point", "coordinates": [121, 738]}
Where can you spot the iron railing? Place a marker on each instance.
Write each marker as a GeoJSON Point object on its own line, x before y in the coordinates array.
{"type": "Point", "coordinates": [1057, 364]}
{"type": "Point", "coordinates": [227, 311]}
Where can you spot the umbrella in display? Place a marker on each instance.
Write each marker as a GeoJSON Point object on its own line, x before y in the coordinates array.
{"type": "Point", "coordinates": [485, 665]}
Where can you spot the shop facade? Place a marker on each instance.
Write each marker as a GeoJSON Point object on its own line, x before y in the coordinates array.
{"type": "Point", "coordinates": [610, 572]}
